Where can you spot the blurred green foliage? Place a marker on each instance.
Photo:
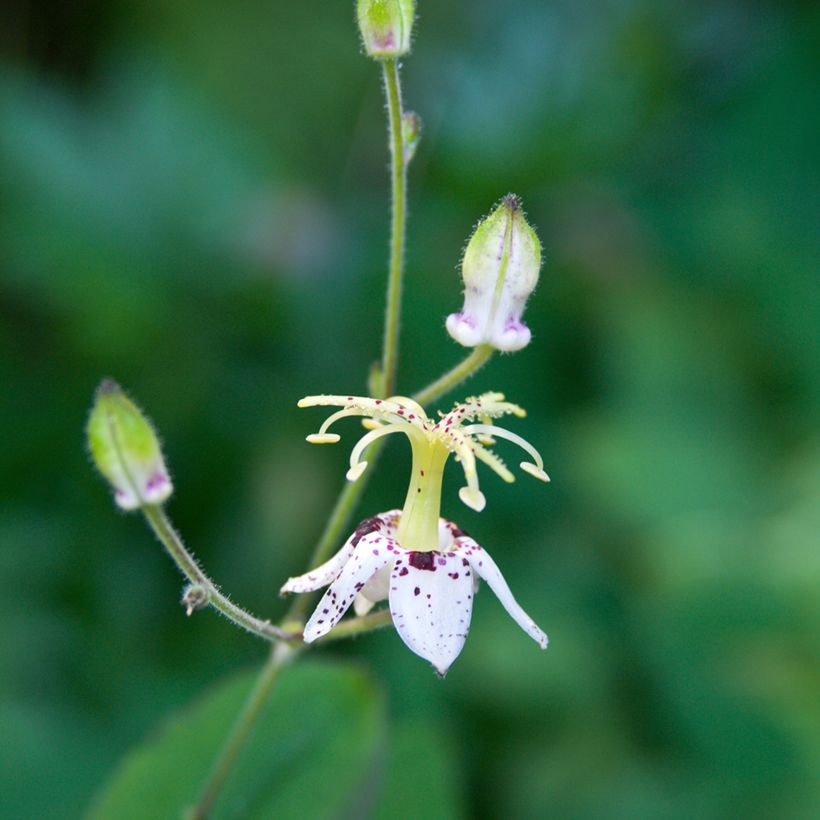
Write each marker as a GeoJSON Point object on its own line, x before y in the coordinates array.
{"type": "Point", "coordinates": [193, 200]}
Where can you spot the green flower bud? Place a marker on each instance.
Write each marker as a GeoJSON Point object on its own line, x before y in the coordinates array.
{"type": "Point", "coordinates": [410, 134]}
{"type": "Point", "coordinates": [385, 26]}
{"type": "Point", "coordinates": [126, 450]}
{"type": "Point", "coordinates": [500, 270]}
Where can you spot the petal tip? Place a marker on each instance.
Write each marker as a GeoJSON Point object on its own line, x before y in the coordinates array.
{"type": "Point", "coordinates": [313, 631]}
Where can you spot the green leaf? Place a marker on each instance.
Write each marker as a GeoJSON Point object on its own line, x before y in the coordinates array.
{"type": "Point", "coordinates": [422, 778]}
{"type": "Point", "coordinates": [310, 755]}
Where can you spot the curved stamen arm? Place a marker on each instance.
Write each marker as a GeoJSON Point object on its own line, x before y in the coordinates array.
{"type": "Point", "coordinates": [536, 469]}
{"type": "Point", "coordinates": [357, 467]}
{"type": "Point", "coordinates": [334, 417]}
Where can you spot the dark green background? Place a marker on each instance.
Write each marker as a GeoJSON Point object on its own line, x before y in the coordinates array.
{"type": "Point", "coordinates": [193, 201]}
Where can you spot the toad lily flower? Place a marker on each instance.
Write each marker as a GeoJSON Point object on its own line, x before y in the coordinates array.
{"type": "Point", "coordinates": [427, 567]}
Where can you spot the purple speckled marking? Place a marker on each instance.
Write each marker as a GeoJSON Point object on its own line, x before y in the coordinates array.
{"type": "Point", "coordinates": [365, 528]}
{"type": "Point", "coordinates": [423, 560]}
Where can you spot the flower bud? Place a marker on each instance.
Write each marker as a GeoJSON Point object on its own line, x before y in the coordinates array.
{"type": "Point", "coordinates": [126, 450]}
{"type": "Point", "coordinates": [500, 270]}
{"type": "Point", "coordinates": [410, 134]}
{"type": "Point", "coordinates": [385, 26]}
{"type": "Point", "coordinates": [194, 597]}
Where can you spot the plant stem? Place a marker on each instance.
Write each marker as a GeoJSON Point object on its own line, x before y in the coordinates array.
{"type": "Point", "coordinates": [281, 655]}
{"type": "Point", "coordinates": [398, 177]}
{"type": "Point", "coordinates": [353, 491]}
{"type": "Point", "coordinates": [446, 382]}
{"type": "Point", "coordinates": [165, 532]}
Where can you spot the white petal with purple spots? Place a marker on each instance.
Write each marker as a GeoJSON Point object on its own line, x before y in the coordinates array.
{"type": "Point", "coordinates": [483, 564]}
{"type": "Point", "coordinates": [328, 572]}
{"type": "Point", "coordinates": [431, 601]}
{"type": "Point", "coordinates": [371, 553]}
{"type": "Point", "coordinates": [322, 575]}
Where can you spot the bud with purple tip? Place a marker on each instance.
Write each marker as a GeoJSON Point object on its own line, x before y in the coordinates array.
{"type": "Point", "coordinates": [385, 26]}
{"type": "Point", "coordinates": [500, 270]}
{"type": "Point", "coordinates": [126, 450]}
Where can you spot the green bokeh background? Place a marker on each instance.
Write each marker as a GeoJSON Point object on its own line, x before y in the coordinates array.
{"type": "Point", "coordinates": [193, 201]}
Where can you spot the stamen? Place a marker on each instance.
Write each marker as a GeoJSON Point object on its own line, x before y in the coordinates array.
{"type": "Point", "coordinates": [534, 471]}
{"type": "Point", "coordinates": [491, 429]}
{"type": "Point", "coordinates": [358, 467]}
{"type": "Point", "coordinates": [356, 470]}
{"type": "Point", "coordinates": [322, 438]}
{"type": "Point", "coordinates": [334, 417]}
{"type": "Point", "coordinates": [471, 495]}
{"type": "Point", "coordinates": [473, 498]}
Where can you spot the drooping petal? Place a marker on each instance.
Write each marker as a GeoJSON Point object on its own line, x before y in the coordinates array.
{"type": "Point", "coordinates": [371, 553]}
{"type": "Point", "coordinates": [431, 601]}
{"type": "Point", "coordinates": [321, 576]}
{"type": "Point", "coordinates": [480, 560]}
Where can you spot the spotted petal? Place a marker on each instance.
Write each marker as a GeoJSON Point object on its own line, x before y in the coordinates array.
{"type": "Point", "coordinates": [322, 575]}
{"type": "Point", "coordinates": [326, 573]}
{"type": "Point", "coordinates": [480, 560]}
{"type": "Point", "coordinates": [371, 553]}
{"type": "Point", "coordinates": [431, 601]}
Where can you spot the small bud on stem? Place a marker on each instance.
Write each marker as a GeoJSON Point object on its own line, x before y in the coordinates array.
{"type": "Point", "coordinates": [410, 134]}
{"type": "Point", "coordinates": [194, 596]}
{"type": "Point", "coordinates": [126, 449]}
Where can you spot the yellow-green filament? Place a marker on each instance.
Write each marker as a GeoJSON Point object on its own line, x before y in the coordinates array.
{"type": "Point", "coordinates": [492, 430]}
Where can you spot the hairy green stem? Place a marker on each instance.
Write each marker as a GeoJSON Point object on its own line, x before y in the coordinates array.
{"type": "Point", "coordinates": [281, 655]}
{"type": "Point", "coordinates": [352, 492]}
{"type": "Point", "coordinates": [167, 535]}
{"type": "Point", "coordinates": [463, 370]}
{"type": "Point", "coordinates": [398, 178]}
